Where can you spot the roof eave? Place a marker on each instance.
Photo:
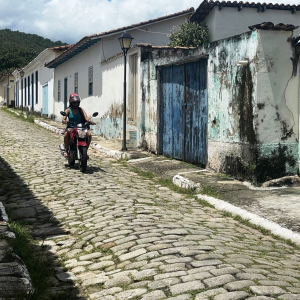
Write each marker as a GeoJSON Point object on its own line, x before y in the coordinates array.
{"type": "Point", "coordinates": [206, 6]}
{"type": "Point", "coordinates": [73, 51]}
{"type": "Point", "coordinates": [69, 53]}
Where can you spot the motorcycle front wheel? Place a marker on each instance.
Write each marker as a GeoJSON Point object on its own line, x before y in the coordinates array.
{"type": "Point", "coordinates": [83, 159]}
{"type": "Point", "coordinates": [71, 162]}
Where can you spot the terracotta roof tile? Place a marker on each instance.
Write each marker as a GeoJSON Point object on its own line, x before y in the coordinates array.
{"type": "Point", "coordinates": [61, 48]}
{"type": "Point", "coordinates": [271, 26]}
{"type": "Point", "coordinates": [145, 45]}
{"type": "Point", "coordinates": [207, 5]}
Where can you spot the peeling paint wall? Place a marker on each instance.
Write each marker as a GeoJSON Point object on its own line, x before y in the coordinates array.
{"type": "Point", "coordinates": [231, 98]}
{"type": "Point", "coordinates": [45, 76]}
{"type": "Point", "coordinates": [277, 117]}
{"type": "Point", "coordinates": [149, 110]}
{"type": "Point", "coordinates": [253, 110]}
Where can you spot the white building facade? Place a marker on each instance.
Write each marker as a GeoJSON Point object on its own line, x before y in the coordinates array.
{"type": "Point", "coordinates": [7, 85]}
{"type": "Point", "coordinates": [89, 69]}
{"type": "Point", "coordinates": [34, 92]}
{"type": "Point", "coordinates": [230, 18]}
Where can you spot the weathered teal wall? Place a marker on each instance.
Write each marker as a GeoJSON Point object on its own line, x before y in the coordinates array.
{"type": "Point", "coordinates": [232, 89]}
{"type": "Point", "coordinates": [253, 110]}
{"type": "Point", "coordinates": [147, 128]}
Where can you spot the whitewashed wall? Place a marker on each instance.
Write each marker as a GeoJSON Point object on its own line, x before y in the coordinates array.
{"type": "Point", "coordinates": [80, 64]}
{"type": "Point", "coordinates": [107, 97]}
{"type": "Point", "coordinates": [44, 76]}
{"type": "Point", "coordinates": [4, 92]}
{"type": "Point", "coordinates": [277, 92]}
{"type": "Point", "coordinates": [155, 34]}
{"type": "Point", "coordinates": [229, 21]}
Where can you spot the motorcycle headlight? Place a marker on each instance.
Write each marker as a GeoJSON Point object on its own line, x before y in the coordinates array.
{"type": "Point", "coordinates": [81, 133]}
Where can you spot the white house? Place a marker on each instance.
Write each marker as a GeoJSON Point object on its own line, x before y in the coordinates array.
{"type": "Point", "coordinates": [7, 84]}
{"type": "Point", "coordinates": [35, 90]}
{"type": "Point", "coordinates": [228, 18]}
{"type": "Point", "coordinates": [100, 85]}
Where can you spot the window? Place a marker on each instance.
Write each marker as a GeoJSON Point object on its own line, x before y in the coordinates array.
{"type": "Point", "coordinates": [22, 92]}
{"type": "Point", "coordinates": [90, 81]}
{"type": "Point", "coordinates": [58, 90]}
{"type": "Point", "coordinates": [16, 90]}
{"type": "Point", "coordinates": [28, 89]}
{"type": "Point", "coordinates": [36, 88]}
{"type": "Point", "coordinates": [65, 92]}
{"type": "Point", "coordinates": [25, 84]}
{"type": "Point", "coordinates": [76, 83]}
{"type": "Point", "coordinates": [32, 89]}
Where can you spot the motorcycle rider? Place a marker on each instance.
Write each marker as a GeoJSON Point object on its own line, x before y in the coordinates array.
{"type": "Point", "coordinates": [78, 115]}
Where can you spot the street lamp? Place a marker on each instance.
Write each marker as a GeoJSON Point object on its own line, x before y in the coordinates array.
{"type": "Point", "coordinates": [22, 75]}
{"type": "Point", "coordinates": [125, 41]}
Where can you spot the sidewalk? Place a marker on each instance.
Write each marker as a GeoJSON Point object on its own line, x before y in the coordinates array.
{"type": "Point", "coordinates": [276, 209]}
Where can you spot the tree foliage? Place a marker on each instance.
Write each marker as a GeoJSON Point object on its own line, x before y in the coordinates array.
{"type": "Point", "coordinates": [189, 34]}
{"type": "Point", "coordinates": [17, 49]}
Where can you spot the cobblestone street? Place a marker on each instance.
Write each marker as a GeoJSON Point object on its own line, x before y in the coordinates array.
{"type": "Point", "coordinates": [115, 235]}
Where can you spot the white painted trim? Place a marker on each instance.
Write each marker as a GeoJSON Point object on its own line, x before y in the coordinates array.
{"type": "Point", "coordinates": [253, 218]}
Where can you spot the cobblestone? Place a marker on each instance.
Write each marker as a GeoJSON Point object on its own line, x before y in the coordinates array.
{"type": "Point", "coordinates": [127, 237]}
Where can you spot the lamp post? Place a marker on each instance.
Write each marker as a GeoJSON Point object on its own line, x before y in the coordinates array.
{"type": "Point", "coordinates": [22, 75]}
{"type": "Point", "coordinates": [125, 41]}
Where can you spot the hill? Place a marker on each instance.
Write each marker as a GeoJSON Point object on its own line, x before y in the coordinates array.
{"type": "Point", "coordinates": [17, 49]}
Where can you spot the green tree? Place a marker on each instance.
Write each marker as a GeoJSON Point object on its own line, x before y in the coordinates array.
{"type": "Point", "coordinates": [17, 49]}
{"type": "Point", "coordinates": [189, 34]}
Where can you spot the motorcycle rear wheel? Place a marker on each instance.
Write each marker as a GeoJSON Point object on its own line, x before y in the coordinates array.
{"type": "Point", "coordinates": [83, 159]}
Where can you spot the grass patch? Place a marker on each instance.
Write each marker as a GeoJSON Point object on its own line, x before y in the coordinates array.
{"type": "Point", "coordinates": [122, 160]}
{"type": "Point", "coordinates": [39, 266]}
{"type": "Point", "coordinates": [29, 118]}
{"type": "Point", "coordinates": [262, 230]}
{"type": "Point", "coordinates": [145, 174]}
{"type": "Point", "coordinates": [209, 191]}
{"type": "Point", "coordinates": [204, 203]}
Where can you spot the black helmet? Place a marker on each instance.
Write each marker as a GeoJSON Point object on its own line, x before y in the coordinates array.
{"type": "Point", "coordinates": [74, 100]}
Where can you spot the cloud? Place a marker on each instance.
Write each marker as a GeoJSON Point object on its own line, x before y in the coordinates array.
{"type": "Point", "coordinates": [71, 20]}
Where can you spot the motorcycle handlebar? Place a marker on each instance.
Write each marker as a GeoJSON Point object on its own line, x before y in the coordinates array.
{"type": "Point", "coordinates": [87, 124]}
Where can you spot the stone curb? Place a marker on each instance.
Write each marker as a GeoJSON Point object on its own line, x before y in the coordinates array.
{"type": "Point", "coordinates": [112, 153]}
{"type": "Point", "coordinates": [186, 183]}
{"type": "Point", "coordinates": [253, 219]}
{"type": "Point", "coordinates": [49, 127]}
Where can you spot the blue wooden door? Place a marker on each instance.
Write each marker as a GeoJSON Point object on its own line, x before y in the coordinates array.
{"type": "Point", "coordinates": [45, 99]}
{"type": "Point", "coordinates": [172, 125]}
{"type": "Point", "coordinates": [184, 111]}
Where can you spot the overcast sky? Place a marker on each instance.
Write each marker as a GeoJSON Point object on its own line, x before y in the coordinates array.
{"type": "Point", "coordinates": [71, 20]}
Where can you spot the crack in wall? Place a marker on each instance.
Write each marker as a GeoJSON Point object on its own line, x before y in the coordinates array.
{"type": "Point", "coordinates": [284, 125]}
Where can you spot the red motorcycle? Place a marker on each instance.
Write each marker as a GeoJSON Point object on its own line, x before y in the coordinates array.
{"type": "Point", "coordinates": [78, 143]}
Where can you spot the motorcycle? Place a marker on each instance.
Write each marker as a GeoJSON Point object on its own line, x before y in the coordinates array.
{"type": "Point", "coordinates": [78, 143]}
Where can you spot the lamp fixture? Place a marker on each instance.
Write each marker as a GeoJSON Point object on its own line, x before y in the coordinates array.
{"type": "Point", "coordinates": [242, 63]}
